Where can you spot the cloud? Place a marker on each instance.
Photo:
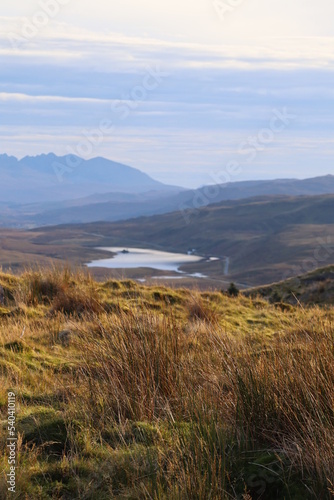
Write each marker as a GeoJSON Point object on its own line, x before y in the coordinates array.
{"type": "Point", "coordinates": [188, 20]}
{"type": "Point", "coordinates": [67, 81]}
{"type": "Point", "coordinates": [130, 52]}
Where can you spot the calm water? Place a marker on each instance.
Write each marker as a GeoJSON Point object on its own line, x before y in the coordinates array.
{"type": "Point", "coordinates": [139, 257]}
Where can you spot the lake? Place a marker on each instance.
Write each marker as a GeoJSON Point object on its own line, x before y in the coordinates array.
{"type": "Point", "coordinates": [143, 257]}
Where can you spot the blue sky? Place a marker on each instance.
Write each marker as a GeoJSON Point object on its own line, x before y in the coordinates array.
{"type": "Point", "coordinates": [186, 93]}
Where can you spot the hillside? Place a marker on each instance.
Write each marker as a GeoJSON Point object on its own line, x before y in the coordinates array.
{"type": "Point", "coordinates": [112, 210]}
{"type": "Point", "coordinates": [152, 198]}
{"type": "Point", "coordinates": [293, 187]}
{"type": "Point", "coordinates": [266, 239]}
{"type": "Point", "coordinates": [127, 391]}
{"type": "Point", "coordinates": [316, 287]}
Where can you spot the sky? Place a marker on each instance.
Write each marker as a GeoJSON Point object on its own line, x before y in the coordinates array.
{"type": "Point", "coordinates": [191, 93]}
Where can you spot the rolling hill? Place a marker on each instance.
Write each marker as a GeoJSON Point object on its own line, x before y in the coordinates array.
{"type": "Point", "coordinates": [111, 209]}
{"type": "Point", "coordinates": [316, 287]}
{"type": "Point", "coordinates": [101, 190]}
{"type": "Point", "coordinates": [265, 239]}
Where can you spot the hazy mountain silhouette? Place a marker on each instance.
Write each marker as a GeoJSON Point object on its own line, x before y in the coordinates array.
{"type": "Point", "coordinates": [50, 190]}
{"type": "Point", "coordinates": [114, 206]}
{"type": "Point", "coordinates": [46, 178]}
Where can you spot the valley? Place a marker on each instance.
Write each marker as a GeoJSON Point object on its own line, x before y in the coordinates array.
{"type": "Point", "coordinates": [266, 239]}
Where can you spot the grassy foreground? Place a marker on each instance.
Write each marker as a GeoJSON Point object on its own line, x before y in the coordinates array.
{"type": "Point", "coordinates": [133, 392]}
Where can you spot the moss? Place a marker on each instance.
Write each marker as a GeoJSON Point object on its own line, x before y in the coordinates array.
{"type": "Point", "coordinates": [27, 312]}
{"type": "Point", "coordinates": [9, 369]}
{"type": "Point", "coordinates": [44, 427]}
{"type": "Point", "coordinates": [146, 305]}
{"type": "Point", "coordinates": [35, 313]}
{"type": "Point", "coordinates": [110, 306]}
{"type": "Point", "coordinates": [58, 481]}
{"type": "Point", "coordinates": [129, 284]}
{"type": "Point", "coordinates": [130, 294]}
{"type": "Point", "coordinates": [53, 399]}
{"type": "Point", "coordinates": [112, 285]}
{"type": "Point", "coordinates": [134, 433]}
{"type": "Point", "coordinates": [167, 297]}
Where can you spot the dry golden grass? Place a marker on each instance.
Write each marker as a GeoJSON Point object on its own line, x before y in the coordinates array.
{"type": "Point", "coordinates": [126, 391]}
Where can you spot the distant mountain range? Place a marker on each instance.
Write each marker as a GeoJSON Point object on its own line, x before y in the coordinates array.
{"type": "Point", "coordinates": [51, 190]}
{"type": "Point", "coordinates": [49, 177]}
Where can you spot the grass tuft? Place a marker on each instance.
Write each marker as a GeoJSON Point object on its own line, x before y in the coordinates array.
{"type": "Point", "coordinates": [128, 391]}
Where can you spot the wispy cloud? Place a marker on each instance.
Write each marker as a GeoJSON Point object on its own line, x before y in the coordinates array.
{"type": "Point", "coordinates": [67, 42]}
{"type": "Point", "coordinates": [216, 96]}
